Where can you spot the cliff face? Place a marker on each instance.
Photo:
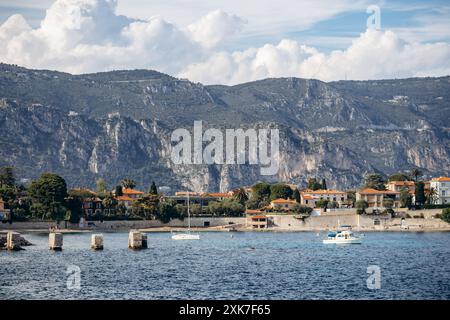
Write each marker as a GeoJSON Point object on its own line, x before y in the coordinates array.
{"type": "Point", "coordinates": [118, 124]}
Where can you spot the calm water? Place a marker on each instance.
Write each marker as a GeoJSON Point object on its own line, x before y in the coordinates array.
{"type": "Point", "coordinates": [245, 266]}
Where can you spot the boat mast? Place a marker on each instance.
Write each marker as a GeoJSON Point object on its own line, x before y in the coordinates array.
{"type": "Point", "coordinates": [189, 214]}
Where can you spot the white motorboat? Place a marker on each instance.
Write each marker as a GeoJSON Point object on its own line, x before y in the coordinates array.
{"type": "Point", "coordinates": [188, 235]}
{"type": "Point", "coordinates": [342, 237]}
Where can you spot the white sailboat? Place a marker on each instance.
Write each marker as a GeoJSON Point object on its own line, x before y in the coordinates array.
{"type": "Point", "coordinates": [188, 235]}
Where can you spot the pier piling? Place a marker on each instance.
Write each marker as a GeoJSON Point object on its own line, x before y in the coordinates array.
{"type": "Point", "coordinates": [137, 240]}
{"type": "Point", "coordinates": [55, 241]}
{"type": "Point", "coordinates": [13, 241]}
{"type": "Point", "coordinates": [97, 242]}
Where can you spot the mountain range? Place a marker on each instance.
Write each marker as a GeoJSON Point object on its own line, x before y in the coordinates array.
{"type": "Point", "coordinates": [118, 124]}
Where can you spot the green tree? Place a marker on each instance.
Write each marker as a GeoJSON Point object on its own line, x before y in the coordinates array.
{"type": "Point", "coordinates": [118, 192]}
{"type": "Point", "coordinates": [102, 187]}
{"type": "Point", "coordinates": [446, 215]}
{"type": "Point", "coordinates": [398, 177]}
{"type": "Point", "coordinates": [150, 203]}
{"type": "Point", "coordinates": [240, 196]}
{"type": "Point", "coordinates": [405, 199]}
{"type": "Point", "coordinates": [74, 209]}
{"type": "Point", "coordinates": [351, 197]}
{"type": "Point", "coordinates": [324, 184]}
{"type": "Point", "coordinates": [128, 183]}
{"type": "Point", "coordinates": [153, 189]}
{"type": "Point", "coordinates": [432, 196]}
{"type": "Point", "coordinates": [374, 181]}
{"type": "Point", "coordinates": [8, 193]}
{"type": "Point", "coordinates": [301, 209]}
{"type": "Point", "coordinates": [313, 184]}
{"type": "Point", "coordinates": [322, 203]}
{"type": "Point", "coordinates": [361, 206]}
{"type": "Point", "coordinates": [416, 173]}
{"type": "Point", "coordinates": [49, 188]}
{"type": "Point", "coordinates": [110, 203]}
{"type": "Point", "coordinates": [420, 193]}
{"type": "Point", "coordinates": [261, 191]}
{"type": "Point", "coordinates": [7, 178]}
{"type": "Point", "coordinates": [166, 212]}
{"type": "Point", "coordinates": [388, 203]}
{"type": "Point", "coordinates": [296, 196]}
{"type": "Point", "coordinates": [254, 203]}
{"type": "Point", "coordinates": [280, 191]}
{"type": "Point", "coordinates": [333, 205]}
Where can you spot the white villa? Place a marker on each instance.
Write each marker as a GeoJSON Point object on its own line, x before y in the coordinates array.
{"type": "Point", "coordinates": [442, 187]}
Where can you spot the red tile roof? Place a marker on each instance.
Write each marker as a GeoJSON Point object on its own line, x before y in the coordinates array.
{"type": "Point", "coordinates": [373, 191]}
{"type": "Point", "coordinates": [441, 179]}
{"type": "Point", "coordinates": [402, 183]}
{"type": "Point", "coordinates": [131, 191]}
{"type": "Point", "coordinates": [283, 201]}
{"type": "Point", "coordinates": [331, 191]}
{"type": "Point", "coordinates": [258, 217]}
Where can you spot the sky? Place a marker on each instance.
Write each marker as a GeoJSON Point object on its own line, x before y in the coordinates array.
{"type": "Point", "coordinates": [230, 41]}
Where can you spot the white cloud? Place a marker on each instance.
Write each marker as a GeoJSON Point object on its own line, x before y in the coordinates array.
{"type": "Point", "coordinates": [215, 28]}
{"type": "Point", "coordinates": [374, 55]}
{"type": "Point", "coordinates": [88, 35]}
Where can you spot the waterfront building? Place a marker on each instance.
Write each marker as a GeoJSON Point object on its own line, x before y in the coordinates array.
{"type": "Point", "coordinates": [132, 193]}
{"type": "Point", "coordinates": [401, 185]}
{"type": "Point", "coordinates": [282, 204]}
{"type": "Point", "coordinates": [128, 196]}
{"type": "Point", "coordinates": [375, 198]}
{"type": "Point", "coordinates": [125, 200]}
{"type": "Point", "coordinates": [256, 220]}
{"type": "Point", "coordinates": [310, 197]}
{"type": "Point", "coordinates": [92, 205]}
{"type": "Point", "coordinates": [441, 186]}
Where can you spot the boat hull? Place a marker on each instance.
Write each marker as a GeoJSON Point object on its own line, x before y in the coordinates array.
{"type": "Point", "coordinates": [184, 236]}
{"type": "Point", "coordinates": [342, 241]}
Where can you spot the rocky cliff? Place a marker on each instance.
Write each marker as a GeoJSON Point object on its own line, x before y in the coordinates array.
{"type": "Point", "coordinates": [118, 124]}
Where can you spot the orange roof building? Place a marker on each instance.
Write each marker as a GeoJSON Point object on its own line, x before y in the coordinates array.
{"type": "Point", "coordinates": [310, 197]}
{"type": "Point", "coordinates": [282, 204]}
{"type": "Point", "coordinates": [375, 198]}
{"type": "Point", "coordinates": [132, 192]}
{"type": "Point", "coordinates": [441, 179]}
{"type": "Point", "coordinates": [401, 185]}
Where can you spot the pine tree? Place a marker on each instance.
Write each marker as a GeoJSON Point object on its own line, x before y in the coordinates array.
{"type": "Point", "coordinates": [324, 184]}
{"type": "Point", "coordinates": [296, 195]}
{"type": "Point", "coordinates": [153, 189]}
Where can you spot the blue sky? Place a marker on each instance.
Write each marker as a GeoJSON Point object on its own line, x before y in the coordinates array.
{"type": "Point", "coordinates": [242, 40]}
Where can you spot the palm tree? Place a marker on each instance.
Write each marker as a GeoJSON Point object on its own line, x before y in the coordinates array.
{"type": "Point", "coordinates": [416, 173]}
{"type": "Point", "coordinates": [240, 195]}
{"type": "Point", "coordinates": [432, 196]}
{"type": "Point", "coordinates": [128, 183]}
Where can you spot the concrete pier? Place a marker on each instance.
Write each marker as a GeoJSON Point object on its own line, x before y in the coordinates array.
{"type": "Point", "coordinates": [97, 242]}
{"type": "Point", "coordinates": [55, 241]}
{"type": "Point", "coordinates": [136, 240]}
{"type": "Point", "coordinates": [13, 241]}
